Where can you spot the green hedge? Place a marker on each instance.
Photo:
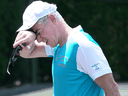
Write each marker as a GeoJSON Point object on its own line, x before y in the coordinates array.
{"type": "Point", "coordinates": [10, 20]}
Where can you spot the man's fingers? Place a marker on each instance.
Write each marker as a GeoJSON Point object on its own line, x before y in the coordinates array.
{"type": "Point", "coordinates": [20, 42]}
{"type": "Point", "coordinates": [24, 37]}
{"type": "Point", "coordinates": [24, 44]}
{"type": "Point", "coordinates": [19, 37]}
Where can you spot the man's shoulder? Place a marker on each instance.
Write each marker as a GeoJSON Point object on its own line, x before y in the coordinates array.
{"type": "Point", "coordinates": [85, 39]}
{"type": "Point", "coordinates": [81, 39]}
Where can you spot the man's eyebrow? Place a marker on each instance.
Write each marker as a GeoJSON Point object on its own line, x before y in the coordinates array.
{"type": "Point", "coordinates": [37, 30]}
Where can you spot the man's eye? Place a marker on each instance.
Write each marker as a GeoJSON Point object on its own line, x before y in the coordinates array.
{"type": "Point", "coordinates": [38, 33]}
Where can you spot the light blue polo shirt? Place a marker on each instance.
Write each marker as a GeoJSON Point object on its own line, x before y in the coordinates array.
{"type": "Point", "coordinates": [76, 65]}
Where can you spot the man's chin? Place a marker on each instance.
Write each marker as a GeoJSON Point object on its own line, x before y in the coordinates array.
{"type": "Point", "coordinates": [52, 46]}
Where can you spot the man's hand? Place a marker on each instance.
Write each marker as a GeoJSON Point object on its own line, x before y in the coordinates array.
{"type": "Point", "coordinates": [24, 37]}
{"type": "Point", "coordinates": [27, 38]}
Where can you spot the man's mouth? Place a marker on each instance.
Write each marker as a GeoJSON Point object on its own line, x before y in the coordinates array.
{"type": "Point", "coordinates": [46, 42]}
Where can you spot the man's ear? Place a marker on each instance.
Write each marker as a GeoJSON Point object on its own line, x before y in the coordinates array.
{"type": "Point", "coordinates": [52, 17]}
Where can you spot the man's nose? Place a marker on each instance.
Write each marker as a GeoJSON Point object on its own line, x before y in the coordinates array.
{"type": "Point", "coordinates": [39, 39]}
{"type": "Point", "coordinates": [44, 40]}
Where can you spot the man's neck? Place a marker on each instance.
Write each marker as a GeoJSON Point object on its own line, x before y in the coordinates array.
{"type": "Point", "coordinates": [65, 34]}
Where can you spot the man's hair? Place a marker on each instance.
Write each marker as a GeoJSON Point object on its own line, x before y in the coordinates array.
{"type": "Point", "coordinates": [45, 20]}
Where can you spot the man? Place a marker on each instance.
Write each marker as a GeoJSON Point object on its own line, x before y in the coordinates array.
{"type": "Point", "coordinates": [79, 67]}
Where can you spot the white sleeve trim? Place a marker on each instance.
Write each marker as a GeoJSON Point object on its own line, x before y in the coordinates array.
{"type": "Point", "coordinates": [100, 73]}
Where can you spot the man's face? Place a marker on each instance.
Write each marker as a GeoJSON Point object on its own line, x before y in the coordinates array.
{"type": "Point", "coordinates": [47, 33]}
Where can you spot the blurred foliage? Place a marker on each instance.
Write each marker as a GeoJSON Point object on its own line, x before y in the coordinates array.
{"type": "Point", "coordinates": [105, 21]}
{"type": "Point", "coordinates": [10, 18]}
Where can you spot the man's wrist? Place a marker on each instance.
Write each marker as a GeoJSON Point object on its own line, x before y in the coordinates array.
{"type": "Point", "coordinates": [31, 30]}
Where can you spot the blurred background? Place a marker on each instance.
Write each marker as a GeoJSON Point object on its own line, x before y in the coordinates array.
{"type": "Point", "coordinates": [105, 20]}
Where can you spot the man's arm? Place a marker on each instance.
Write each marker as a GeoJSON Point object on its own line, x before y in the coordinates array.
{"type": "Point", "coordinates": [36, 50]}
{"type": "Point", "coordinates": [107, 83]}
{"type": "Point", "coordinates": [32, 49]}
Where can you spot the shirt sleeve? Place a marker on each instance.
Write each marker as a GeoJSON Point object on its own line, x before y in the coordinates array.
{"type": "Point", "coordinates": [92, 60]}
{"type": "Point", "coordinates": [49, 51]}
